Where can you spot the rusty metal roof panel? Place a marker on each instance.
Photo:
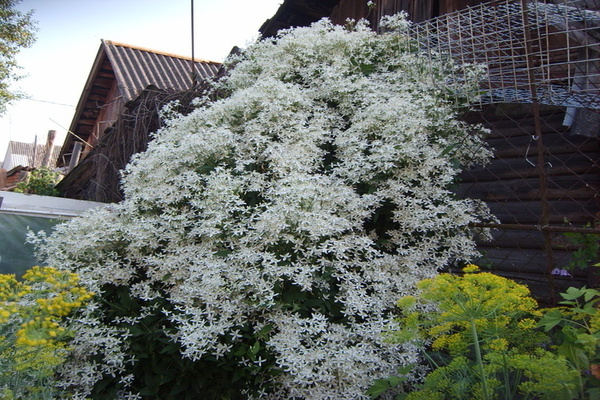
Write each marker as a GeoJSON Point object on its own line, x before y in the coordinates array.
{"type": "Point", "coordinates": [137, 68]}
{"type": "Point", "coordinates": [29, 155]}
{"type": "Point", "coordinates": [132, 69]}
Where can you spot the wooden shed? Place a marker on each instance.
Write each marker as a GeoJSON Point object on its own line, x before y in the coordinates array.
{"type": "Point", "coordinates": [293, 13]}
{"type": "Point", "coordinates": [121, 74]}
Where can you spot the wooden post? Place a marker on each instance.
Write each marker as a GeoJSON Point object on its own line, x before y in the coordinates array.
{"type": "Point", "coordinates": [75, 156]}
{"type": "Point", "coordinates": [541, 151]}
{"type": "Point", "coordinates": [34, 154]}
{"type": "Point", "coordinates": [49, 148]}
{"type": "Point", "coordinates": [3, 183]}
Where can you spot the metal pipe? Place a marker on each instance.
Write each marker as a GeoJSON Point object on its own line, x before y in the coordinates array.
{"type": "Point", "coordinates": [193, 62]}
{"type": "Point", "coordinates": [539, 228]}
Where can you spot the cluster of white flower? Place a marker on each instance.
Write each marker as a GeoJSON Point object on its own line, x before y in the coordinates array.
{"type": "Point", "coordinates": [324, 173]}
{"type": "Point", "coordinates": [98, 350]}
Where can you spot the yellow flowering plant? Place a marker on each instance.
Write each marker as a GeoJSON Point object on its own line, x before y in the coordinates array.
{"type": "Point", "coordinates": [479, 330]}
{"type": "Point", "coordinates": [34, 330]}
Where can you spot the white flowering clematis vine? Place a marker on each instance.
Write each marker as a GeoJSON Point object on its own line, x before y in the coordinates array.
{"type": "Point", "coordinates": [294, 211]}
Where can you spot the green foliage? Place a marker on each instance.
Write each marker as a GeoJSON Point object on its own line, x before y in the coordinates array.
{"type": "Point", "coordinates": [575, 330]}
{"type": "Point", "coordinates": [480, 332]}
{"type": "Point", "coordinates": [588, 247]}
{"type": "Point", "coordinates": [34, 330]}
{"type": "Point", "coordinates": [40, 181]}
{"type": "Point", "coordinates": [391, 384]}
{"type": "Point", "coordinates": [162, 371]}
{"type": "Point", "coordinates": [17, 31]}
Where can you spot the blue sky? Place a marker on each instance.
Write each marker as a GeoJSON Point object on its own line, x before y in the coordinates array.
{"type": "Point", "coordinates": [58, 64]}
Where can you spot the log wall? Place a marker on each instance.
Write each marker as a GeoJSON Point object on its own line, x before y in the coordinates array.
{"type": "Point", "coordinates": [536, 199]}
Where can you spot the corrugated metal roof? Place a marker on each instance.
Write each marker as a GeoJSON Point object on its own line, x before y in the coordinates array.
{"type": "Point", "coordinates": [28, 155]}
{"type": "Point", "coordinates": [136, 68]}
{"type": "Point", "coordinates": [132, 69]}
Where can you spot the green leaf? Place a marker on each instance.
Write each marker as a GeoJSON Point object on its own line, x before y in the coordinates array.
{"type": "Point", "coordinates": [169, 377]}
{"type": "Point", "coordinates": [135, 331]}
{"type": "Point", "coordinates": [171, 348]}
{"type": "Point", "coordinates": [242, 350]}
{"type": "Point", "coordinates": [264, 331]}
{"type": "Point", "coordinates": [590, 294]}
{"type": "Point", "coordinates": [223, 253]}
{"type": "Point", "coordinates": [572, 293]}
{"type": "Point", "coordinates": [383, 385]}
{"type": "Point", "coordinates": [570, 333]}
{"type": "Point", "coordinates": [448, 149]}
{"type": "Point", "coordinates": [149, 391]}
{"type": "Point", "coordinates": [551, 319]}
{"type": "Point", "coordinates": [178, 389]}
{"type": "Point", "coordinates": [574, 353]}
{"type": "Point", "coordinates": [380, 386]}
{"type": "Point", "coordinates": [367, 69]}
{"type": "Point", "coordinates": [593, 393]}
{"type": "Point", "coordinates": [589, 308]}
{"type": "Point", "coordinates": [586, 340]}
{"type": "Point", "coordinates": [254, 349]}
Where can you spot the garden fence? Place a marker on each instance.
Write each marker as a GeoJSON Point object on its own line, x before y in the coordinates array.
{"type": "Point", "coordinates": [541, 101]}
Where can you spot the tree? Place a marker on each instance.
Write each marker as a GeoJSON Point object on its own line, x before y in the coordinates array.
{"type": "Point", "coordinates": [266, 236]}
{"type": "Point", "coordinates": [17, 31]}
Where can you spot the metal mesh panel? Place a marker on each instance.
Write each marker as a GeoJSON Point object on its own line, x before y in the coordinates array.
{"type": "Point", "coordinates": [541, 101]}
{"type": "Point", "coordinates": [554, 46]}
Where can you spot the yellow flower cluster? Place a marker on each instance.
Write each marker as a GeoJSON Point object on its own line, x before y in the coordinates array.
{"type": "Point", "coordinates": [595, 322]}
{"type": "Point", "coordinates": [64, 302]}
{"type": "Point", "coordinates": [10, 289]}
{"type": "Point", "coordinates": [51, 276]}
{"type": "Point", "coordinates": [32, 312]}
{"type": "Point", "coordinates": [56, 294]}
{"type": "Point", "coordinates": [39, 332]}
{"type": "Point", "coordinates": [487, 328]}
{"type": "Point", "coordinates": [492, 305]}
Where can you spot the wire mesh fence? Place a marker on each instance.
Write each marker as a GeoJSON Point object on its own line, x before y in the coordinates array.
{"type": "Point", "coordinates": [541, 101]}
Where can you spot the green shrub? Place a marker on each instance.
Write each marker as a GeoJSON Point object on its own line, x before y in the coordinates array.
{"type": "Point", "coordinates": [40, 181]}
{"type": "Point", "coordinates": [575, 331]}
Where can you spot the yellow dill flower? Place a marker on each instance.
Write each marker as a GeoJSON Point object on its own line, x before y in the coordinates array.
{"type": "Point", "coordinates": [527, 323]}
{"type": "Point", "coordinates": [10, 288]}
{"type": "Point", "coordinates": [43, 359]}
{"type": "Point", "coordinates": [407, 302]}
{"type": "Point", "coordinates": [456, 343]}
{"type": "Point", "coordinates": [498, 344]}
{"type": "Point", "coordinates": [32, 341]}
{"type": "Point", "coordinates": [500, 310]}
{"type": "Point", "coordinates": [471, 268]}
{"type": "Point", "coordinates": [439, 343]}
{"type": "Point", "coordinates": [595, 323]}
{"type": "Point", "coordinates": [36, 332]}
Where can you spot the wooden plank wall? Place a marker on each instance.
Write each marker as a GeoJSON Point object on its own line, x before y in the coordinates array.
{"type": "Point", "coordinates": [448, 6]}
{"type": "Point", "coordinates": [511, 187]}
{"type": "Point", "coordinates": [417, 10]}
